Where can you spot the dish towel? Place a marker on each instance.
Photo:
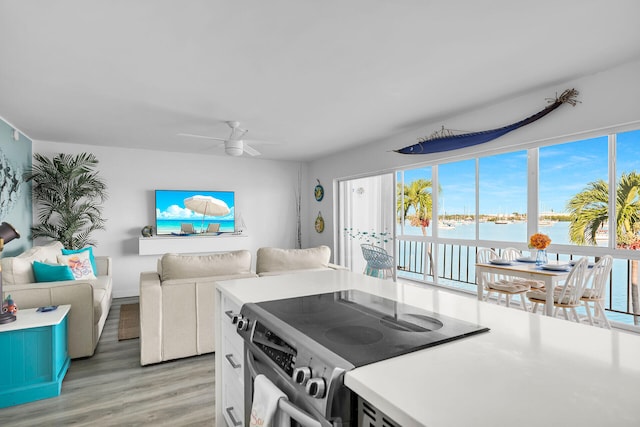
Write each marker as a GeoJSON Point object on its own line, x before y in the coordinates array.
{"type": "Point", "coordinates": [265, 403]}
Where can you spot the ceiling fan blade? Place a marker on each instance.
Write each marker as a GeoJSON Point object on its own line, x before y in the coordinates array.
{"type": "Point", "coordinates": [201, 136]}
{"type": "Point", "coordinates": [261, 142]}
{"type": "Point", "coordinates": [250, 150]}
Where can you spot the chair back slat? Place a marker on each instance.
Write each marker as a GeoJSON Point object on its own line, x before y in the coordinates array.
{"type": "Point", "coordinates": [511, 254]}
{"type": "Point", "coordinates": [571, 291]}
{"type": "Point", "coordinates": [597, 278]}
{"type": "Point", "coordinates": [484, 256]}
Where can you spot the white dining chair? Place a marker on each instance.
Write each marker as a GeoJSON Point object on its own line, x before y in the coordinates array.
{"type": "Point", "coordinates": [513, 254]}
{"type": "Point", "coordinates": [500, 284]}
{"type": "Point", "coordinates": [566, 297]}
{"type": "Point", "coordinates": [594, 292]}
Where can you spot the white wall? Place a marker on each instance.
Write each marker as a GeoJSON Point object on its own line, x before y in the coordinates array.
{"type": "Point", "coordinates": [264, 189]}
{"type": "Point", "coordinates": [608, 99]}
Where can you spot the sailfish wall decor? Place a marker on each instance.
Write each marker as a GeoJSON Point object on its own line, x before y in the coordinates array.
{"type": "Point", "coordinates": [445, 140]}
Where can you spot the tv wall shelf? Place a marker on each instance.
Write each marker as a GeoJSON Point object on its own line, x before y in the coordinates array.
{"type": "Point", "coordinates": [158, 245]}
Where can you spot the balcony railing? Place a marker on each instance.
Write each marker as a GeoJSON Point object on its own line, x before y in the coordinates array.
{"type": "Point", "coordinates": [454, 265]}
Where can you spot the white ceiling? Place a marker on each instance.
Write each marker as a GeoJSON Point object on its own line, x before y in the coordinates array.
{"type": "Point", "coordinates": [316, 76]}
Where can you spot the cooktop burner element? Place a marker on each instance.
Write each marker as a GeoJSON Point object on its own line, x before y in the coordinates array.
{"type": "Point", "coordinates": [363, 328]}
{"type": "Point", "coordinates": [354, 335]}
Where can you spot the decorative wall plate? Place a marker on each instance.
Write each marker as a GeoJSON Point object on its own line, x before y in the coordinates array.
{"type": "Point", "coordinates": [318, 192]}
{"type": "Point", "coordinates": [319, 223]}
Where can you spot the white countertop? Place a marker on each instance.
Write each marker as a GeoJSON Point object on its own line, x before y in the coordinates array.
{"type": "Point", "coordinates": [529, 370]}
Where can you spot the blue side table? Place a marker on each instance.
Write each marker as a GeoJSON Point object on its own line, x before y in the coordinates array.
{"type": "Point", "coordinates": [33, 356]}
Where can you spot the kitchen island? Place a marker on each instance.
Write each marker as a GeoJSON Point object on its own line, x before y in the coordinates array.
{"type": "Point", "coordinates": [529, 370]}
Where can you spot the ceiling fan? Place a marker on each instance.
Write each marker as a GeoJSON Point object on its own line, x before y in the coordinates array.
{"type": "Point", "coordinates": [234, 144]}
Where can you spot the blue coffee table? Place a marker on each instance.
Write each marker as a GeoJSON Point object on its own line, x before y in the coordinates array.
{"type": "Point", "coordinates": [33, 356]}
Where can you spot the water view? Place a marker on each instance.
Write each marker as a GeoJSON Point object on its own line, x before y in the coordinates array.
{"type": "Point", "coordinates": [516, 233]}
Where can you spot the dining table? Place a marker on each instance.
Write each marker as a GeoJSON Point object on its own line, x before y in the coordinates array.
{"type": "Point", "coordinates": [550, 274]}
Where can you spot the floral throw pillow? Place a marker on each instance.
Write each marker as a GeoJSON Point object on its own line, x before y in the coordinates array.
{"type": "Point", "coordinates": [79, 263]}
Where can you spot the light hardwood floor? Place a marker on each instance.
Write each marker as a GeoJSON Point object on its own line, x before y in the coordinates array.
{"type": "Point", "coordinates": [112, 389]}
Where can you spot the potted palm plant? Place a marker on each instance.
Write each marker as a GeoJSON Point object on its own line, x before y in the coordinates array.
{"type": "Point", "coordinates": [68, 193]}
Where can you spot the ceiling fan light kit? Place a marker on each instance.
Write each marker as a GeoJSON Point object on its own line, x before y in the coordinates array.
{"type": "Point", "coordinates": [234, 148]}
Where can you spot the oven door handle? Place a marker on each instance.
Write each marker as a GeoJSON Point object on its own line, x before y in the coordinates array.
{"type": "Point", "coordinates": [302, 417]}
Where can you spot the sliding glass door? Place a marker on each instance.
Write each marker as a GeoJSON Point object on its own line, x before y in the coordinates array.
{"type": "Point", "coordinates": [366, 214]}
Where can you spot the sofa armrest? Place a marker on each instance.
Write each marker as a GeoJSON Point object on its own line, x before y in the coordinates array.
{"type": "Point", "coordinates": [150, 318]}
{"type": "Point", "coordinates": [336, 266]}
{"type": "Point", "coordinates": [77, 293]}
{"type": "Point", "coordinates": [104, 265]}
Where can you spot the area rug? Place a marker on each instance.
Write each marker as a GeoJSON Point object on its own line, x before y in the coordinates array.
{"type": "Point", "coordinates": [129, 324]}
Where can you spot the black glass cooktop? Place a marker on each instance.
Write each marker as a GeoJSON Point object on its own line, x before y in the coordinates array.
{"type": "Point", "coordinates": [363, 328]}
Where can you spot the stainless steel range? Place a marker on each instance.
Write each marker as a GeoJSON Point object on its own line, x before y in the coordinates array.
{"type": "Point", "coordinates": [304, 345]}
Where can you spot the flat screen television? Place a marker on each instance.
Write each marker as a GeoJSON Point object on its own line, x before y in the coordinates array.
{"type": "Point", "coordinates": [181, 212]}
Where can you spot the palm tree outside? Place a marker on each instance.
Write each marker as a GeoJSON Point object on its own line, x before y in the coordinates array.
{"type": "Point", "coordinates": [589, 213]}
{"type": "Point", "coordinates": [416, 195]}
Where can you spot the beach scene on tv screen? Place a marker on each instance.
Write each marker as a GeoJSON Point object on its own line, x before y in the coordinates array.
{"type": "Point", "coordinates": [195, 212]}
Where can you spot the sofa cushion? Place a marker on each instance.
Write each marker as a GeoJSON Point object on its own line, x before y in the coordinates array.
{"type": "Point", "coordinates": [44, 272]}
{"type": "Point", "coordinates": [19, 270]}
{"type": "Point", "coordinates": [276, 259]}
{"type": "Point", "coordinates": [79, 263]}
{"type": "Point", "coordinates": [174, 266]}
{"type": "Point", "coordinates": [88, 250]}
{"type": "Point", "coordinates": [48, 252]}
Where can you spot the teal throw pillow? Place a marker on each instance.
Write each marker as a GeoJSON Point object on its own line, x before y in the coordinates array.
{"type": "Point", "coordinates": [44, 272]}
{"type": "Point", "coordinates": [91, 257]}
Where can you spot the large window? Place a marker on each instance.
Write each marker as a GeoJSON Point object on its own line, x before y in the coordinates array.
{"type": "Point", "coordinates": [457, 200]}
{"type": "Point", "coordinates": [503, 197]}
{"type": "Point", "coordinates": [573, 192]}
{"type": "Point", "coordinates": [415, 202]}
{"type": "Point", "coordinates": [627, 190]}
{"type": "Point", "coordinates": [583, 197]}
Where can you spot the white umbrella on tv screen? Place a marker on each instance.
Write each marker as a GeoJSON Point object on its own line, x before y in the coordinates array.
{"type": "Point", "coordinates": [206, 205]}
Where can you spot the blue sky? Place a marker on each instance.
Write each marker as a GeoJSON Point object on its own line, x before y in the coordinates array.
{"type": "Point", "coordinates": [566, 169]}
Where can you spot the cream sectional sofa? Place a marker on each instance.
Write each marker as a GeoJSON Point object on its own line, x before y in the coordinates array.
{"type": "Point", "coordinates": [177, 303]}
{"type": "Point", "coordinates": [90, 299]}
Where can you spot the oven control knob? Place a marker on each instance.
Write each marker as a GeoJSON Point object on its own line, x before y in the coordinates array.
{"type": "Point", "coordinates": [301, 375]}
{"type": "Point", "coordinates": [235, 317]}
{"type": "Point", "coordinates": [243, 324]}
{"type": "Point", "coordinates": [316, 388]}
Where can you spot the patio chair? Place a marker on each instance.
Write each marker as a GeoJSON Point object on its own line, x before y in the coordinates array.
{"type": "Point", "coordinates": [567, 296]}
{"type": "Point", "coordinates": [595, 290]}
{"type": "Point", "coordinates": [499, 284]}
{"type": "Point", "coordinates": [379, 262]}
{"type": "Point", "coordinates": [187, 228]}
{"type": "Point", "coordinates": [213, 227]}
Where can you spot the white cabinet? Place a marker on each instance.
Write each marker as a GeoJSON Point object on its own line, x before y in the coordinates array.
{"type": "Point", "coordinates": [158, 245]}
{"type": "Point", "coordinates": [230, 365]}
